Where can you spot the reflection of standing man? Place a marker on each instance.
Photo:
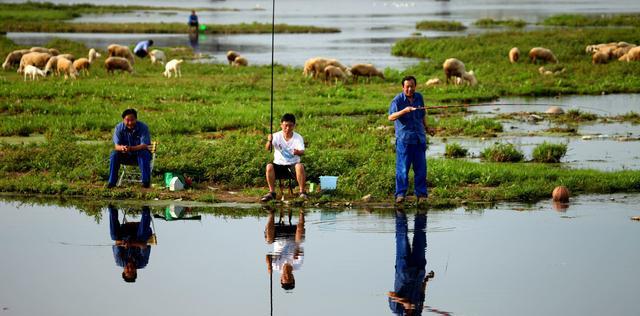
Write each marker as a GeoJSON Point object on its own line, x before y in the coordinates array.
{"type": "Point", "coordinates": [410, 284]}
{"type": "Point", "coordinates": [130, 251]}
{"type": "Point", "coordinates": [287, 254]}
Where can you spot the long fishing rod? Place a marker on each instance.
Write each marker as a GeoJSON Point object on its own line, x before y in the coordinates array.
{"type": "Point", "coordinates": [273, 31]}
{"type": "Point", "coordinates": [505, 104]}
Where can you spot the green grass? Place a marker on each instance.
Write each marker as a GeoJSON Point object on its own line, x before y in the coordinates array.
{"type": "Point", "coordinates": [440, 26]}
{"type": "Point", "coordinates": [600, 20]}
{"type": "Point", "coordinates": [549, 152]}
{"type": "Point", "coordinates": [455, 150]}
{"type": "Point", "coordinates": [502, 152]}
{"type": "Point", "coordinates": [489, 22]}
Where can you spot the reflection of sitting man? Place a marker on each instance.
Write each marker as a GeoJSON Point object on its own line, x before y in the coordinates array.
{"type": "Point", "coordinates": [411, 279]}
{"type": "Point", "coordinates": [287, 254]}
{"type": "Point", "coordinates": [131, 250]}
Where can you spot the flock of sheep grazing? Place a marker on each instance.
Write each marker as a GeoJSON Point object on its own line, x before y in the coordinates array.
{"type": "Point", "coordinates": [332, 69]}
{"type": "Point", "coordinates": [623, 51]}
{"type": "Point", "coordinates": [40, 61]}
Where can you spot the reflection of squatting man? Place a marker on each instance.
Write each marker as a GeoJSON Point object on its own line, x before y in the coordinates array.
{"type": "Point", "coordinates": [287, 255]}
{"type": "Point", "coordinates": [131, 251]}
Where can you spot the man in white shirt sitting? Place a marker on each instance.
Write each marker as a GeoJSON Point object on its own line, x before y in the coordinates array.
{"type": "Point", "coordinates": [288, 147]}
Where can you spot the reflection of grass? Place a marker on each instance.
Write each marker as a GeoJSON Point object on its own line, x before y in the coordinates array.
{"type": "Point", "coordinates": [580, 20]}
{"type": "Point", "coordinates": [440, 26]}
{"type": "Point", "coordinates": [489, 22]}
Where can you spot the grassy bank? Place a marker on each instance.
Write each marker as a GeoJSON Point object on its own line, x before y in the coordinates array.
{"type": "Point", "coordinates": [600, 20]}
{"type": "Point", "coordinates": [440, 26]}
{"type": "Point", "coordinates": [488, 22]}
{"type": "Point", "coordinates": [212, 124]}
{"type": "Point", "coordinates": [486, 54]}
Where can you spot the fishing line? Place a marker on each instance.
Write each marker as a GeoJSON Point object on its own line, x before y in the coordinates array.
{"type": "Point", "coordinates": [273, 31]}
{"type": "Point", "coordinates": [509, 104]}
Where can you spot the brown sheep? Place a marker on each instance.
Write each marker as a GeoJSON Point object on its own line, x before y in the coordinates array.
{"type": "Point", "coordinates": [543, 54]}
{"type": "Point", "coordinates": [308, 66]}
{"type": "Point", "coordinates": [115, 50]}
{"type": "Point", "coordinates": [52, 65]}
{"type": "Point", "coordinates": [117, 63]}
{"type": "Point", "coordinates": [334, 73]}
{"type": "Point", "coordinates": [82, 65]}
{"type": "Point", "coordinates": [35, 59]}
{"type": "Point", "coordinates": [65, 66]}
{"type": "Point", "coordinates": [514, 55]}
{"type": "Point", "coordinates": [231, 56]}
{"type": "Point", "coordinates": [621, 50]}
{"type": "Point", "coordinates": [600, 58]}
{"type": "Point", "coordinates": [322, 63]}
{"type": "Point", "coordinates": [632, 55]}
{"type": "Point", "coordinates": [240, 61]}
{"type": "Point", "coordinates": [68, 56]}
{"type": "Point", "coordinates": [455, 68]}
{"type": "Point", "coordinates": [13, 58]}
{"type": "Point", "coordinates": [365, 70]}
{"type": "Point", "coordinates": [433, 82]}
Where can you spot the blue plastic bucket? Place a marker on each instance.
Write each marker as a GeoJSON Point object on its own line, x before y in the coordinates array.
{"type": "Point", "coordinates": [328, 182]}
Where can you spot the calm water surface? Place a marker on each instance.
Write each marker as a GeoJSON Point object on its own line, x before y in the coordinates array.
{"type": "Point", "coordinates": [510, 260]}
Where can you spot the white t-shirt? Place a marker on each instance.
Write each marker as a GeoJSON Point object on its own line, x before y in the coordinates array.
{"type": "Point", "coordinates": [283, 150]}
{"type": "Point", "coordinates": [284, 251]}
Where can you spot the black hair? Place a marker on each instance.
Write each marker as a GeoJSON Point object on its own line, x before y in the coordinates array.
{"type": "Point", "coordinates": [288, 117]}
{"type": "Point", "coordinates": [289, 286]}
{"type": "Point", "coordinates": [129, 111]}
{"type": "Point", "coordinates": [409, 78]}
{"type": "Point", "coordinates": [150, 42]}
{"type": "Point", "coordinates": [131, 279]}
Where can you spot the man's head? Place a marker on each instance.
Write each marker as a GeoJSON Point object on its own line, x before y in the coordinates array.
{"type": "Point", "coordinates": [409, 85]}
{"type": "Point", "coordinates": [129, 274]}
{"type": "Point", "coordinates": [288, 123]}
{"type": "Point", "coordinates": [129, 118]}
{"type": "Point", "coordinates": [287, 281]}
{"type": "Point", "coordinates": [193, 12]}
{"type": "Point", "coordinates": [150, 42]}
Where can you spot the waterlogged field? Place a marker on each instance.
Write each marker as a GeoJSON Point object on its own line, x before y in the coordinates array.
{"type": "Point", "coordinates": [212, 124]}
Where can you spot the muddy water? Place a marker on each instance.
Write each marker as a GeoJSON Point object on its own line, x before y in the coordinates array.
{"type": "Point", "coordinates": [510, 260]}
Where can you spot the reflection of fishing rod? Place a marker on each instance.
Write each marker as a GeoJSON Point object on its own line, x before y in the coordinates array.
{"type": "Point", "coordinates": [504, 104]}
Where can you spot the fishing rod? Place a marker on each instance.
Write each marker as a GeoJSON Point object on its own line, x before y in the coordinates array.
{"type": "Point", "coordinates": [466, 105]}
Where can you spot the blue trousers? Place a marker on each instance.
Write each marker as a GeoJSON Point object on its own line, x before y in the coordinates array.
{"type": "Point", "coordinates": [142, 158]}
{"type": "Point", "coordinates": [408, 155]}
{"type": "Point", "coordinates": [410, 263]}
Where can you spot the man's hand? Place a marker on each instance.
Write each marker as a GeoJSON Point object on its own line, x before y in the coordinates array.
{"type": "Point", "coordinates": [431, 131]}
{"type": "Point", "coordinates": [298, 152]}
{"type": "Point", "coordinates": [267, 146]}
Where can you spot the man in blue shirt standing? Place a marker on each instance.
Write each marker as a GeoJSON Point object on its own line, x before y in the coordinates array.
{"type": "Point", "coordinates": [142, 48]}
{"type": "Point", "coordinates": [131, 139]}
{"type": "Point", "coordinates": [409, 117]}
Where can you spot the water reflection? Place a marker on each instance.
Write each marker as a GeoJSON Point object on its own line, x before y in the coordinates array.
{"type": "Point", "coordinates": [194, 41]}
{"type": "Point", "coordinates": [411, 278]}
{"type": "Point", "coordinates": [287, 253]}
{"type": "Point", "coordinates": [176, 212]}
{"type": "Point", "coordinates": [133, 241]}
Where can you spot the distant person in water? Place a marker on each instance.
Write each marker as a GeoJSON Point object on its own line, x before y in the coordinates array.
{"type": "Point", "coordinates": [131, 141]}
{"type": "Point", "coordinates": [131, 251]}
{"type": "Point", "coordinates": [142, 48]}
{"type": "Point", "coordinates": [193, 22]}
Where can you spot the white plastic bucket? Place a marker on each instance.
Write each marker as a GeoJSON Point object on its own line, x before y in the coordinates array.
{"type": "Point", "coordinates": [328, 182]}
{"type": "Point", "coordinates": [176, 184]}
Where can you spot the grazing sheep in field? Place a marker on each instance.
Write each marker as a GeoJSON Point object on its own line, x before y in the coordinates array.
{"type": "Point", "coordinates": [52, 66]}
{"type": "Point", "coordinates": [68, 56]}
{"type": "Point", "coordinates": [82, 65]}
{"type": "Point", "coordinates": [334, 73]}
{"type": "Point", "coordinates": [35, 59]}
{"type": "Point", "coordinates": [32, 71]}
{"type": "Point", "coordinates": [174, 65]}
{"type": "Point", "coordinates": [13, 58]}
{"type": "Point", "coordinates": [455, 68]}
{"type": "Point", "coordinates": [543, 54]}
{"type": "Point", "coordinates": [115, 50]}
{"type": "Point", "coordinates": [365, 70]}
{"type": "Point", "coordinates": [315, 66]}
{"type": "Point", "coordinates": [545, 72]}
{"type": "Point", "coordinates": [632, 55]}
{"type": "Point", "coordinates": [621, 50]}
{"type": "Point", "coordinates": [591, 49]}
{"type": "Point", "coordinates": [240, 61]}
{"type": "Point", "coordinates": [599, 58]}
{"type": "Point", "coordinates": [117, 63]}
{"type": "Point", "coordinates": [231, 56]}
{"type": "Point", "coordinates": [65, 67]}
{"type": "Point", "coordinates": [433, 82]}
{"type": "Point", "coordinates": [514, 55]}
{"type": "Point", "coordinates": [157, 56]}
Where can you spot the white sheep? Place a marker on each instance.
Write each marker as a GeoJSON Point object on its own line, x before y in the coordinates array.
{"type": "Point", "coordinates": [334, 73]}
{"type": "Point", "coordinates": [117, 63]}
{"type": "Point", "coordinates": [514, 55]}
{"type": "Point", "coordinates": [231, 56]}
{"type": "Point", "coordinates": [115, 50]}
{"type": "Point", "coordinates": [240, 61]}
{"type": "Point", "coordinates": [35, 59]}
{"type": "Point", "coordinates": [433, 82]}
{"type": "Point", "coordinates": [365, 70]}
{"type": "Point", "coordinates": [13, 58]}
{"type": "Point", "coordinates": [543, 54]}
{"type": "Point", "coordinates": [65, 66]}
{"type": "Point", "coordinates": [157, 56]}
{"type": "Point", "coordinates": [455, 68]}
{"type": "Point", "coordinates": [32, 71]}
{"type": "Point", "coordinates": [174, 65]}
{"type": "Point", "coordinates": [82, 65]}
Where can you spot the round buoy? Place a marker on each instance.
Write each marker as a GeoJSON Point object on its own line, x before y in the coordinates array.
{"type": "Point", "coordinates": [560, 194]}
{"type": "Point", "coordinates": [555, 110]}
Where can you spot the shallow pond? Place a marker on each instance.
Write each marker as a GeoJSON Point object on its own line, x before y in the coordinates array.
{"type": "Point", "coordinates": [602, 105]}
{"type": "Point", "coordinates": [509, 260]}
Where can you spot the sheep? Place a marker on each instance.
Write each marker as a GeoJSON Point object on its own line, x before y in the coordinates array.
{"type": "Point", "coordinates": [13, 58]}
{"type": "Point", "coordinates": [365, 70]}
{"type": "Point", "coordinates": [68, 56]}
{"type": "Point", "coordinates": [455, 68]}
{"type": "Point", "coordinates": [35, 59]}
{"type": "Point", "coordinates": [543, 54]}
{"type": "Point", "coordinates": [514, 55]}
{"type": "Point", "coordinates": [591, 49]}
{"type": "Point", "coordinates": [545, 72]}
{"type": "Point", "coordinates": [117, 63]}
{"type": "Point", "coordinates": [157, 56]}
{"type": "Point", "coordinates": [322, 63]}
{"type": "Point", "coordinates": [231, 56]}
{"type": "Point", "coordinates": [433, 82]}
{"type": "Point", "coordinates": [240, 61]}
{"type": "Point", "coordinates": [620, 51]}
{"type": "Point", "coordinates": [65, 66]}
{"type": "Point", "coordinates": [632, 55]}
{"type": "Point", "coordinates": [308, 66]}
{"type": "Point", "coordinates": [599, 58]}
{"type": "Point", "coordinates": [174, 65]}
{"type": "Point", "coordinates": [52, 65]}
{"type": "Point", "coordinates": [33, 72]}
{"type": "Point", "coordinates": [115, 50]}
{"type": "Point", "coordinates": [83, 64]}
{"type": "Point", "coordinates": [334, 72]}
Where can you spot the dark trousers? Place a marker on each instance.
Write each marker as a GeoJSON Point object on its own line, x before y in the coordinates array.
{"type": "Point", "coordinates": [408, 155]}
{"type": "Point", "coordinates": [142, 158]}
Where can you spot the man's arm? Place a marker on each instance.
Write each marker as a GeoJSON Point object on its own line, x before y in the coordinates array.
{"type": "Point", "coordinates": [267, 145]}
{"type": "Point", "coordinates": [396, 115]}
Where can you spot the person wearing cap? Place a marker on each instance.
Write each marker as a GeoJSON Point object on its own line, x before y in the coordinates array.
{"type": "Point", "coordinates": [131, 141]}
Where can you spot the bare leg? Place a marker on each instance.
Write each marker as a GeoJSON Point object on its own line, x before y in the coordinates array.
{"type": "Point", "coordinates": [271, 178]}
{"type": "Point", "coordinates": [301, 176]}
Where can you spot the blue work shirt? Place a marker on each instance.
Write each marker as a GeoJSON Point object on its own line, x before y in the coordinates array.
{"type": "Point", "coordinates": [193, 19]}
{"type": "Point", "coordinates": [410, 128]}
{"type": "Point", "coordinates": [144, 45]}
{"type": "Point", "coordinates": [140, 257]}
{"type": "Point", "coordinates": [138, 135]}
